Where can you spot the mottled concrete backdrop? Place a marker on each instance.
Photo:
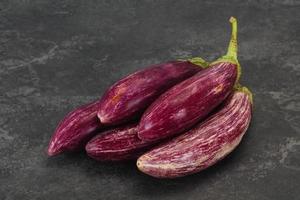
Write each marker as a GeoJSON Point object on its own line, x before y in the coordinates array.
{"type": "Point", "coordinates": [56, 55]}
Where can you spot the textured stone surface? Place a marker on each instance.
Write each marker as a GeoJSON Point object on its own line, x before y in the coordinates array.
{"type": "Point", "coordinates": [56, 55]}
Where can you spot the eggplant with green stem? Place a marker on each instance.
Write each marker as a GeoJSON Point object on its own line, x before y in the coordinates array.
{"type": "Point", "coordinates": [190, 101]}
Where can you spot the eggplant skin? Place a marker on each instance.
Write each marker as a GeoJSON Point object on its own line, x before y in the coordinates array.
{"type": "Point", "coordinates": [130, 96]}
{"type": "Point", "coordinates": [188, 102]}
{"type": "Point", "coordinates": [202, 146]}
{"type": "Point", "coordinates": [117, 144]}
{"type": "Point", "coordinates": [74, 131]}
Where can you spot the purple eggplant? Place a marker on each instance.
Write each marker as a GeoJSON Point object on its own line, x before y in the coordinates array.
{"type": "Point", "coordinates": [188, 102]}
{"type": "Point", "coordinates": [203, 145]}
{"type": "Point", "coordinates": [75, 130]}
{"type": "Point", "coordinates": [130, 96]}
{"type": "Point", "coordinates": [117, 144]}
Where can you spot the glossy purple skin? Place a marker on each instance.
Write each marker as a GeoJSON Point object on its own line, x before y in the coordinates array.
{"type": "Point", "coordinates": [117, 144]}
{"type": "Point", "coordinates": [74, 131]}
{"type": "Point", "coordinates": [130, 96]}
{"type": "Point", "coordinates": [202, 146]}
{"type": "Point", "coordinates": [188, 102]}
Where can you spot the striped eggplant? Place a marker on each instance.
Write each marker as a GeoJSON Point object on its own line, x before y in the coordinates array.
{"type": "Point", "coordinates": [117, 144]}
{"type": "Point", "coordinates": [74, 131]}
{"type": "Point", "coordinates": [188, 102]}
{"type": "Point", "coordinates": [130, 96]}
{"type": "Point", "coordinates": [203, 145]}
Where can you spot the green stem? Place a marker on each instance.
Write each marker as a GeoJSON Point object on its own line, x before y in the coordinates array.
{"type": "Point", "coordinates": [199, 61]}
{"type": "Point", "coordinates": [240, 88]}
{"type": "Point", "coordinates": [231, 55]}
{"type": "Point", "coordinates": [232, 48]}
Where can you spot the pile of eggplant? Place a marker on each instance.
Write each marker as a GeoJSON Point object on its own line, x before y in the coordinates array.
{"type": "Point", "coordinates": [176, 118]}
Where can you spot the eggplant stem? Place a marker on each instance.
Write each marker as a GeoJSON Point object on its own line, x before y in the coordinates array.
{"type": "Point", "coordinates": [231, 55]}
{"type": "Point", "coordinates": [199, 61]}
{"type": "Point", "coordinates": [240, 88]}
{"type": "Point", "coordinates": [233, 48]}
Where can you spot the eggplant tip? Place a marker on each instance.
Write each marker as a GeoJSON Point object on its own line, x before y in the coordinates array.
{"type": "Point", "coordinates": [232, 19]}
{"type": "Point", "coordinates": [102, 118]}
{"type": "Point", "coordinates": [54, 150]}
{"type": "Point", "coordinates": [139, 165]}
{"type": "Point", "coordinates": [90, 147]}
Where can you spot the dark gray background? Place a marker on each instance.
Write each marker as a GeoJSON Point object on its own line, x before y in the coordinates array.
{"type": "Point", "coordinates": [57, 55]}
